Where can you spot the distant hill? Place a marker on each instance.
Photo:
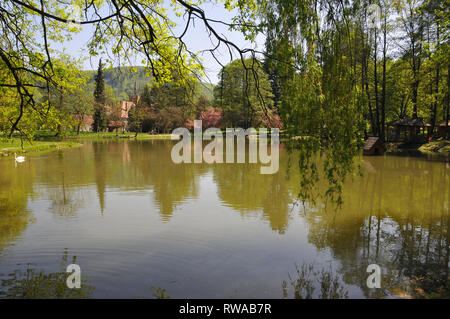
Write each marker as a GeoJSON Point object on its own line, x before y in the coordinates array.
{"type": "Point", "coordinates": [207, 90]}
{"type": "Point", "coordinates": [123, 80]}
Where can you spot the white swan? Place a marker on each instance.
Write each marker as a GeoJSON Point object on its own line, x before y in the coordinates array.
{"type": "Point", "coordinates": [19, 159]}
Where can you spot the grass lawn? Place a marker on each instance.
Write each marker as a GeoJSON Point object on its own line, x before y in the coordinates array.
{"type": "Point", "coordinates": [113, 135]}
{"type": "Point", "coordinates": [46, 141]}
{"type": "Point", "coordinates": [11, 146]}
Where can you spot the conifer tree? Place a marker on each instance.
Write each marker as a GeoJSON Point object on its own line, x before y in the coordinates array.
{"type": "Point", "coordinates": [100, 120]}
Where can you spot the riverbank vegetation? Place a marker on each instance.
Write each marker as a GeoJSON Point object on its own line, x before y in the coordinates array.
{"type": "Point", "coordinates": [441, 147]}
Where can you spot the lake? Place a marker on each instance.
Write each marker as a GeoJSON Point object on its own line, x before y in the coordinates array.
{"type": "Point", "coordinates": [140, 226]}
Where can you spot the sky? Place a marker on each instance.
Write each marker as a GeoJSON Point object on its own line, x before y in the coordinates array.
{"type": "Point", "coordinates": [196, 39]}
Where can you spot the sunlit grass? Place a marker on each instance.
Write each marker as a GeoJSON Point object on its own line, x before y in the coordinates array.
{"type": "Point", "coordinates": [114, 135]}
{"type": "Point", "coordinates": [442, 147]}
{"type": "Point", "coordinates": [14, 145]}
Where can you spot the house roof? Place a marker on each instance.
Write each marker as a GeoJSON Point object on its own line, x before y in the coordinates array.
{"type": "Point", "coordinates": [125, 108]}
{"type": "Point", "coordinates": [443, 123]}
{"type": "Point", "coordinates": [409, 122]}
{"type": "Point", "coordinates": [371, 141]}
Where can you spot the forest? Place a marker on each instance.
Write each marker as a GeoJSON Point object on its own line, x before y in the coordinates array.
{"type": "Point", "coordinates": [367, 63]}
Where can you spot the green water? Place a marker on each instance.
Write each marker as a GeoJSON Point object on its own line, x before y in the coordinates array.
{"type": "Point", "coordinates": [140, 226]}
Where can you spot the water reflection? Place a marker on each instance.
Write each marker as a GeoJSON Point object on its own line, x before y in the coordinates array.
{"type": "Point", "coordinates": [171, 183]}
{"type": "Point", "coordinates": [395, 215]}
{"type": "Point", "coordinates": [16, 187]}
{"type": "Point", "coordinates": [243, 188]}
{"type": "Point", "coordinates": [307, 278]}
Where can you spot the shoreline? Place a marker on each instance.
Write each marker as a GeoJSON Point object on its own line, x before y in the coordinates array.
{"type": "Point", "coordinates": [441, 148]}
{"type": "Point", "coordinates": [49, 143]}
{"type": "Point", "coordinates": [9, 147]}
{"type": "Point", "coordinates": [113, 135]}
{"type": "Point", "coordinates": [43, 144]}
{"type": "Point", "coordinates": [436, 147]}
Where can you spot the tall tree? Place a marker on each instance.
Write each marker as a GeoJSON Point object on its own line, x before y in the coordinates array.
{"type": "Point", "coordinates": [244, 102]}
{"type": "Point", "coordinates": [100, 119]}
{"type": "Point", "coordinates": [81, 104]}
{"type": "Point", "coordinates": [136, 116]}
{"type": "Point", "coordinates": [385, 13]}
{"type": "Point", "coordinates": [317, 67]}
{"type": "Point", "coordinates": [29, 30]}
{"type": "Point", "coordinates": [411, 44]}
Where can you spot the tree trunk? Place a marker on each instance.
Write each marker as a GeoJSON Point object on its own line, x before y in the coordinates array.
{"type": "Point", "coordinates": [366, 82]}
{"type": "Point", "coordinates": [383, 86]}
{"type": "Point", "coordinates": [14, 126]}
{"type": "Point", "coordinates": [376, 86]}
{"type": "Point", "coordinates": [447, 104]}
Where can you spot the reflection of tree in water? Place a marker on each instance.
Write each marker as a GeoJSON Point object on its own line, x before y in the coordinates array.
{"type": "Point", "coordinates": [14, 219]}
{"type": "Point", "coordinates": [131, 165]}
{"type": "Point", "coordinates": [148, 165]}
{"type": "Point", "coordinates": [15, 188]}
{"type": "Point", "coordinates": [37, 284]}
{"type": "Point", "coordinates": [172, 183]}
{"type": "Point", "coordinates": [125, 165]}
{"type": "Point", "coordinates": [396, 216]}
{"type": "Point", "coordinates": [101, 172]}
{"type": "Point", "coordinates": [66, 200]}
{"type": "Point", "coordinates": [307, 279]}
{"type": "Point", "coordinates": [245, 189]}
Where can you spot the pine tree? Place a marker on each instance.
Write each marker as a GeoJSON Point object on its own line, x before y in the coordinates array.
{"type": "Point", "coordinates": [100, 120]}
{"type": "Point", "coordinates": [146, 97]}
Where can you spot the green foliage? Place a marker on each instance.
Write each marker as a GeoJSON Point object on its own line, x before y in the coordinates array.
{"type": "Point", "coordinates": [136, 117]}
{"type": "Point", "coordinates": [32, 283]}
{"type": "Point", "coordinates": [100, 119]}
{"type": "Point", "coordinates": [332, 75]}
{"type": "Point", "coordinates": [320, 103]}
{"type": "Point", "coordinates": [243, 93]}
{"type": "Point", "coordinates": [99, 92]}
{"type": "Point", "coordinates": [28, 58]}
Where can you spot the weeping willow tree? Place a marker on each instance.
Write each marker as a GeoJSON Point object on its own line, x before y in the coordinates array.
{"type": "Point", "coordinates": [329, 65]}
{"type": "Point", "coordinates": [311, 49]}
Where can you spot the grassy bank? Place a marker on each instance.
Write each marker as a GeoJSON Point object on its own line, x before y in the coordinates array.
{"type": "Point", "coordinates": [440, 147]}
{"type": "Point", "coordinates": [11, 146]}
{"type": "Point", "coordinates": [46, 141]}
{"type": "Point", "coordinates": [114, 135]}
